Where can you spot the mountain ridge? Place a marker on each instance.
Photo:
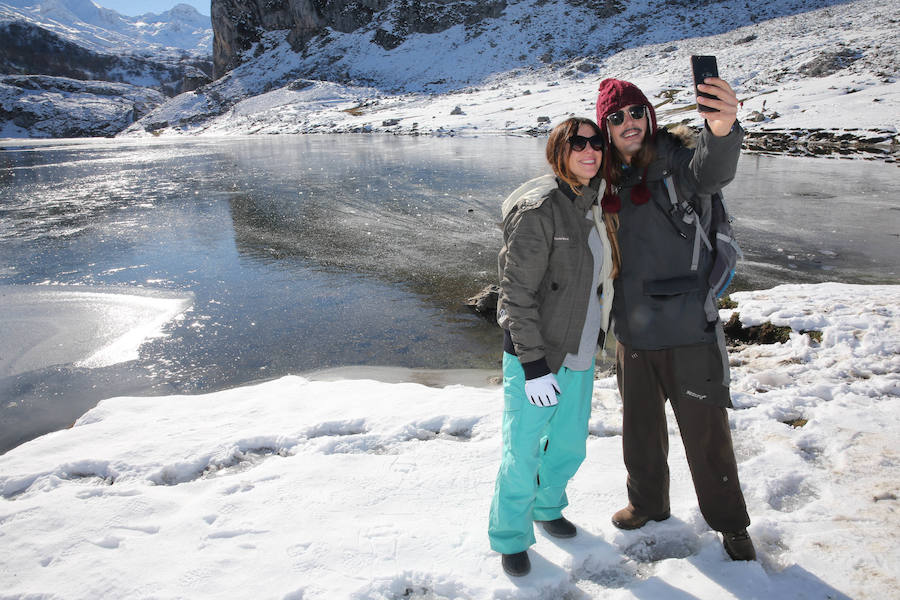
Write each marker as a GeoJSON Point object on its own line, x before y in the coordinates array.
{"type": "Point", "coordinates": [516, 67]}
{"type": "Point", "coordinates": [73, 68]}
{"type": "Point", "coordinates": [808, 72]}
{"type": "Point", "coordinates": [173, 33]}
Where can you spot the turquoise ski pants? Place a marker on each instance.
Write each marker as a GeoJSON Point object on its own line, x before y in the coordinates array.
{"type": "Point", "coordinates": [542, 449]}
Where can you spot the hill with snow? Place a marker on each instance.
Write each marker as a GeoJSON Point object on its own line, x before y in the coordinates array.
{"type": "Point", "coordinates": [803, 65]}
{"type": "Point", "coordinates": [816, 76]}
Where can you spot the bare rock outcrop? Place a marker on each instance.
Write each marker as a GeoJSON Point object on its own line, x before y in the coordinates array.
{"type": "Point", "coordinates": [238, 24]}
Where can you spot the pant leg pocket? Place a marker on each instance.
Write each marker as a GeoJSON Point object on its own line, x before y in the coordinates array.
{"type": "Point", "coordinates": [700, 375]}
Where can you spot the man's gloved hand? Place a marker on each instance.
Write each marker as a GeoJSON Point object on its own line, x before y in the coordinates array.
{"type": "Point", "coordinates": [543, 390]}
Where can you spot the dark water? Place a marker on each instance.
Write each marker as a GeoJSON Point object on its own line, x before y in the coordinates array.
{"type": "Point", "coordinates": [308, 252]}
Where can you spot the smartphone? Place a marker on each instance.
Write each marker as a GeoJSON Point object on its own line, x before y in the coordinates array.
{"type": "Point", "coordinates": [703, 67]}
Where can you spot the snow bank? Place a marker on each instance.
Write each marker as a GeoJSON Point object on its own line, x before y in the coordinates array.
{"type": "Point", "coordinates": [359, 489]}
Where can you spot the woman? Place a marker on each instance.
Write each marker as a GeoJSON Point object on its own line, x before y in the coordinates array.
{"type": "Point", "coordinates": [556, 269]}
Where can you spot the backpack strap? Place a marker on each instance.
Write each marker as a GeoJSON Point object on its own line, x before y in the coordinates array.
{"type": "Point", "coordinates": [689, 215]}
{"type": "Point", "coordinates": [725, 250]}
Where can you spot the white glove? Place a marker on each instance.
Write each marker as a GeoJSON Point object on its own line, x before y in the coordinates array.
{"type": "Point", "coordinates": [543, 390]}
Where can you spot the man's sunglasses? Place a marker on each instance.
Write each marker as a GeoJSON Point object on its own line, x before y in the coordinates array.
{"type": "Point", "coordinates": [618, 117]}
{"type": "Point", "coordinates": [579, 142]}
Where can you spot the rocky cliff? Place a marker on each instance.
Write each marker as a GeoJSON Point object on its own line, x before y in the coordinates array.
{"type": "Point", "coordinates": [239, 24]}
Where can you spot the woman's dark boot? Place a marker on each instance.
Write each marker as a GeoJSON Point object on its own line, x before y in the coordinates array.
{"type": "Point", "coordinates": [559, 528]}
{"type": "Point", "coordinates": [516, 565]}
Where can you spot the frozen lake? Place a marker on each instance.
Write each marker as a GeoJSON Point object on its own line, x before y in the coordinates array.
{"type": "Point", "coordinates": [266, 256]}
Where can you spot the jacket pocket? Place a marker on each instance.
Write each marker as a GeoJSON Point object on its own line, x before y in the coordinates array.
{"type": "Point", "coordinates": [561, 269]}
{"type": "Point", "coordinates": [563, 254]}
{"type": "Point", "coordinates": [671, 287]}
{"type": "Point", "coordinates": [700, 374]}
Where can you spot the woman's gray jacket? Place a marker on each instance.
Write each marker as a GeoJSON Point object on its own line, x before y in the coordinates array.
{"type": "Point", "coordinates": [659, 299]}
{"type": "Point", "coordinates": [546, 271]}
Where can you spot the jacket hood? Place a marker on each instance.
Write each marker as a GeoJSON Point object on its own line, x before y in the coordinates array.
{"type": "Point", "coordinates": [684, 135]}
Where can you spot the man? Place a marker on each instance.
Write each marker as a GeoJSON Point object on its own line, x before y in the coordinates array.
{"type": "Point", "coordinates": [666, 346]}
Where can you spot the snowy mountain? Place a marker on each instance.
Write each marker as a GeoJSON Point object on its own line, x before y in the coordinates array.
{"type": "Point", "coordinates": [808, 71]}
{"type": "Point", "coordinates": [816, 76]}
{"type": "Point", "coordinates": [176, 32]}
{"type": "Point", "coordinates": [77, 69]}
{"type": "Point", "coordinates": [32, 50]}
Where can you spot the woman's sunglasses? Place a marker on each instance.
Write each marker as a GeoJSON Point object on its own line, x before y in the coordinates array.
{"type": "Point", "coordinates": [579, 142]}
{"type": "Point", "coordinates": [618, 117]}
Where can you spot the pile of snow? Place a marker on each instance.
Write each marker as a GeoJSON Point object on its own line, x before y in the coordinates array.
{"type": "Point", "coordinates": [298, 488]}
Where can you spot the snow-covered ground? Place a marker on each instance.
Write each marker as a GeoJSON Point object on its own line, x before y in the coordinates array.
{"type": "Point", "coordinates": [300, 488]}
{"type": "Point", "coordinates": [833, 68]}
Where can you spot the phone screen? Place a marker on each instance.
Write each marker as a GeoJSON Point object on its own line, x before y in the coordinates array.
{"type": "Point", "coordinates": [703, 67]}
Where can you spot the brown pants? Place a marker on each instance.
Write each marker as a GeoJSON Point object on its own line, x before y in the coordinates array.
{"type": "Point", "coordinates": [646, 379]}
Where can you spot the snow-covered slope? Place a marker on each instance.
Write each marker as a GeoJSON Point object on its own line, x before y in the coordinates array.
{"type": "Point", "coordinates": [32, 50]}
{"type": "Point", "coordinates": [177, 31]}
{"type": "Point", "coordinates": [806, 64]}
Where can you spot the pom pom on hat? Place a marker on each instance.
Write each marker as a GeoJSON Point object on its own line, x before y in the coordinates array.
{"type": "Point", "coordinates": [611, 203]}
{"type": "Point", "coordinates": [640, 193]}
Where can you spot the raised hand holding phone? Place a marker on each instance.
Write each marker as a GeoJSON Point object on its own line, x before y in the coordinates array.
{"type": "Point", "coordinates": [716, 101]}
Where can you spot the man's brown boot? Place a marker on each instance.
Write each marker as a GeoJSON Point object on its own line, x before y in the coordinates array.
{"type": "Point", "coordinates": [629, 518]}
{"type": "Point", "coordinates": [739, 546]}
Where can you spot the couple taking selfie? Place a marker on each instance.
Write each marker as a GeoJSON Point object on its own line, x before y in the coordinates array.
{"type": "Point", "coordinates": [613, 240]}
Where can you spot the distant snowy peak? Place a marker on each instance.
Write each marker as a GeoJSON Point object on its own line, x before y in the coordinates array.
{"type": "Point", "coordinates": [101, 29]}
{"type": "Point", "coordinates": [78, 10]}
{"type": "Point", "coordinates": [178, 27]}
{"type": "Point", "coordinates": [184, 13]}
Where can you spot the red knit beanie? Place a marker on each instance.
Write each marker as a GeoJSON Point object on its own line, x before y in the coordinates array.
{"type": "Point", "coordinates": [613, 95]}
